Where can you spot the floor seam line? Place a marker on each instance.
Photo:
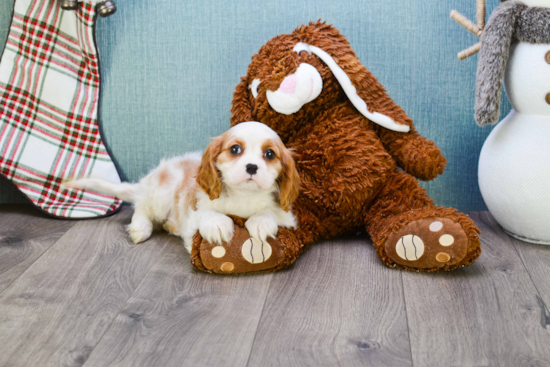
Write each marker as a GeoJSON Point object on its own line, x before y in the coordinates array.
{"type": "Point", "coordinates": [407, 317]}
{"type": "Point", "coordinates": [259, 320]}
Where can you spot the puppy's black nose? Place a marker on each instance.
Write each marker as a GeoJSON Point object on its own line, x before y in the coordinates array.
{"type": "Point", "coordinates": [251, 169]}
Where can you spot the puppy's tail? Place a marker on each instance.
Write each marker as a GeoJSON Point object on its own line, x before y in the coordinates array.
{"type": "Point", "coordinates": [124, 191]}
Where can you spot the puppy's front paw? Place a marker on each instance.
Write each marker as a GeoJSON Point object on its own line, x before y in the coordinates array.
{"type": "Point", "coordinates": [217, 229]}
{"type": "Point", "coordinates": [262, 226]}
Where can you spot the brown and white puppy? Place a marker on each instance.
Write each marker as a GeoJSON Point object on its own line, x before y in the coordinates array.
{"type": "Point", "coordinates": [246, 172]}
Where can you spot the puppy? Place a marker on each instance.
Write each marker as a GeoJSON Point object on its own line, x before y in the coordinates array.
{"type": "Point", "coordinates": [246, 172]}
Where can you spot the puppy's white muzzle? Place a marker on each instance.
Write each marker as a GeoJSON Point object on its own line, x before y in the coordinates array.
{"type": "Point", "coordinates": [296, 90]}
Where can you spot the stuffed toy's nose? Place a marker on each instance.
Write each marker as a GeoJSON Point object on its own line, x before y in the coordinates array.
{"type": "Point", "coordinates": [296, 90]}
{"type": "Point", "coordinates": [288, 85]}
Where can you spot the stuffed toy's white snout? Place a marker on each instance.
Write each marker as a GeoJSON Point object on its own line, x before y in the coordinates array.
{"type": "Point", "coordinates": [296, 90]}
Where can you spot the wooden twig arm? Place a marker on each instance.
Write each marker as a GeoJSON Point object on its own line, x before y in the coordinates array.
{"type": "Point", "coordinates": [462, 55]}
{"type": "Point", "coordinates": [481, 14]}
{"type": "Point", "coordinates": [466, 23]}
{"type": "Point", "coordinates": [476, 29]}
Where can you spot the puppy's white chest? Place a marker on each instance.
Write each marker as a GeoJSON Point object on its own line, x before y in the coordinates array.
{"type": "Point", "coordinates": [243, 205]}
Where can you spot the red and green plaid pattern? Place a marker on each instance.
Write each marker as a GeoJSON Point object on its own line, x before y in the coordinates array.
{"type": "Point", "coordinates": [49, 94]}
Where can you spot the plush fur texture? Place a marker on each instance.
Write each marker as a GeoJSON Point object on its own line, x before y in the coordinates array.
{"type": "Point", "coordinates": [511, 21]}
{"type": "Point", "coordinates": [355, 174]}
{"type": "Point", "coordinates": [533, 25]}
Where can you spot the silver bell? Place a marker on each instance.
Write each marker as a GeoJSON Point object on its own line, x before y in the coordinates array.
{"type": "Point", "coordinates": [106, 8]}
{"type": "Point", "coordinates": [69, 4]}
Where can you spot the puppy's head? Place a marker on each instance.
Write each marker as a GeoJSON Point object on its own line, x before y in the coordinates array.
{"type": "Point", "coordinates": [249, 156]}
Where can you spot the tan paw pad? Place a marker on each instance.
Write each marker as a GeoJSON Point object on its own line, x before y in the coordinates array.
{"type": "Point", "coordinates": [218, 252]}
{"type": "Point", "coordinates": [436, 226]}
{"type": "Point", "coordinates": [255, 251]}
{"type": "Point", "coordinates": [241, 255]}
{"type": "Point", "coordinates": [446, 240]}
{"type": "Point", "coordinates": [443, 257]}
{"type": "Point", "coordinates": [410, 247]}
{"type": "Point", "coordinates": [227, 267]}
{"type": "Point", "coordinates": [428, 243]}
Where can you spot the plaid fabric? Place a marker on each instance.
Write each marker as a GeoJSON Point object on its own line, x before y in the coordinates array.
{"type": "Point", "coordinates": [49, 92]}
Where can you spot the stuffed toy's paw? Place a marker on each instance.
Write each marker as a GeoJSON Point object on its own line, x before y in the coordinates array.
{"type": "Point", "coordinates": [433, 244]}
{"type": "Point", "coordinates": [242, 254]}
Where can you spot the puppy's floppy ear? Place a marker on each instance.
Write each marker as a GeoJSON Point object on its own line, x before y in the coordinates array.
{"type": "Point", "coordinates": [209, 177]}
{"type": "Point", "coordinates": [289, 180]}
{"type": "Point", "coordinates": [241, 109]}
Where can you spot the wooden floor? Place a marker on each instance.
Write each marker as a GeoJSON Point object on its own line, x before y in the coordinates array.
{"type": "Point", "coordinates": [76, 293]}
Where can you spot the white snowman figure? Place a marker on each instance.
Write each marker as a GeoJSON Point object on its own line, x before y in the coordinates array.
{"type": "Point", "coordinates": [514, 165]}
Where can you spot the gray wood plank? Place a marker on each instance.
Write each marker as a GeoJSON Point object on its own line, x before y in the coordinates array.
{"type": "Point", "coordinates": [182, 317]}
{"type": "Point", "coordinates": [56, 312]}
{"type": "Point", "coordinates": [25, 234]}
{"type": "Point", "coordinates": [536, 259]}
{"type": "Point", "coordinates": [488, 314]}
{"type": "Point", "coordinates": [338, 306]}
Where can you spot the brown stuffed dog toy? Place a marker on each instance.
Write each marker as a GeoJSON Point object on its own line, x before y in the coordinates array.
{"type": "Point", "coordinates": [350, 140]}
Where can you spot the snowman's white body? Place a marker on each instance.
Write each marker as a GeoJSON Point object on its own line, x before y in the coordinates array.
{"type": "Point", "coordinates": [514, 166]}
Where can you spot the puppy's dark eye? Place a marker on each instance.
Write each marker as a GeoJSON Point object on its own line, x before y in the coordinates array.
{"type": "Point", "coordinates": [269, 154]}
{"type": "Point", "coordinates": [235, 149]}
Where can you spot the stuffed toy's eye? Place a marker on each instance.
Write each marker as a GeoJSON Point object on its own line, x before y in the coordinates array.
{"type": "Point", "coordinates": [254, 87]}
{"type": "Point", "coordinates": [269, 154]}
{"type": "Point", "coordinates": [235, 149]}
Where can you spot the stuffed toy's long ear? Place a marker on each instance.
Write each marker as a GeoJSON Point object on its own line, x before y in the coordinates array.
{"type": "Point", "coordinates": [361, 87]}
{"type": "Point", "coordinates": [208, 177]}
{"type": "Point", "coordinates": [241, 110]}
{"type": "Point", "coordinates": [351, 87]}
{"type": "Point", "coordinates": [493, 58]}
